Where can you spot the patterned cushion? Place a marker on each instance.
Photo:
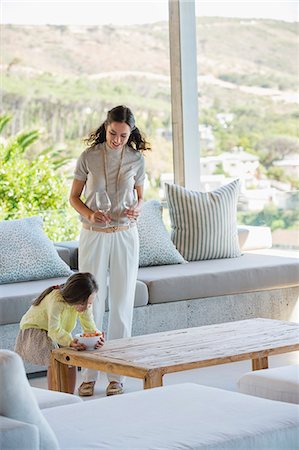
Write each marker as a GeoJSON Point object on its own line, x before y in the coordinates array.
{"type": "Point", "coordinates": [26, 253]}
{"type": "Point", "coordinates": [204, 224]}
{"type": "Point", "coordinates": [156, 248]}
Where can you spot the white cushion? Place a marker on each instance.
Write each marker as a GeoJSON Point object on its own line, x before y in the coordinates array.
{"type": "Point", "coordinates": [254, 237]}
{"type": "Point", "coordinates": [182, 416]}
{"type": "Point", "coordinates": [48, 399]}
{"type": "Point", "coordinates": [18, 402]}
{"type": "Point", "coordinates": [280, 383]}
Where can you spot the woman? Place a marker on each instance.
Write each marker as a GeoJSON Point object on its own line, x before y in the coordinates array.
{"type": "Point", "coordinates": [109, 241]}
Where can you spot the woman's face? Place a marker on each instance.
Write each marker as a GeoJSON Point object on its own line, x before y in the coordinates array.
{"type": "Point", "coordinates": [80, 307]}
{"type": "Point", "coordinates": [117, 135]}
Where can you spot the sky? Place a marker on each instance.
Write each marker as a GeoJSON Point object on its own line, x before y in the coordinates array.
{"type": "Point", "coordinates": [123, 12]}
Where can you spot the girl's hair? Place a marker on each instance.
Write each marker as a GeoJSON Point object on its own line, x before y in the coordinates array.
{"type": "Point", "coordinates": [75, 290]}
{"type": "Point", "coordinates": [119, 114]}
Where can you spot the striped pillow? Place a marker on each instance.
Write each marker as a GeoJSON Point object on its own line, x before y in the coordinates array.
{"type": "Point", "coordinates": [204, 224]}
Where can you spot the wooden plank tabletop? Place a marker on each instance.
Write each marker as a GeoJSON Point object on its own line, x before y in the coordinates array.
{"type": "Point", "coordinates": [209, 345]}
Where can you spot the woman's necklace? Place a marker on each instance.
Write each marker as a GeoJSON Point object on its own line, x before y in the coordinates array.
{"type": "Point", "coordinates": [117, 178]}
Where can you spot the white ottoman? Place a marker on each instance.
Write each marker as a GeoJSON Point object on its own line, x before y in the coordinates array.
{"type": "Point", "coordinates": [176, 417]}
{"type": "Point", "coordinates": [280, 383]}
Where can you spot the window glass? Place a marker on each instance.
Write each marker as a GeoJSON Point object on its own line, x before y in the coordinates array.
{"type": "Point", "coordinates": [65, 64]}
{"type": "Point", "coordinates": [248, 110]}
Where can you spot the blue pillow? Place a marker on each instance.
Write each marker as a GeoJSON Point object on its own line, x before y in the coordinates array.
{"type": "Point", "coordinates": [26, 253]}
{"type": "Point", "coordinates": [156, 247]}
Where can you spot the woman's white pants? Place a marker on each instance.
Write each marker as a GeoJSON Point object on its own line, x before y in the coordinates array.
{"type": "Point", "coordinates": [113, 257]}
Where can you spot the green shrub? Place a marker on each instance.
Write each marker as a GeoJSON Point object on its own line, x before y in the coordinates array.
{"type": "Point", "coordinates": [34, 185]}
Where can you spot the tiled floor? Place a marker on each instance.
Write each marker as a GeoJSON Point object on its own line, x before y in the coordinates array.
{"type": "Point", "coordinates": [224, 376]}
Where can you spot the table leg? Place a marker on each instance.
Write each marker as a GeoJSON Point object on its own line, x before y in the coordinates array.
{"type": "Point", "coordinates": [260, 363]}
{"type": "Point", "coordinates": [64, 378]}
{"type": "Point", "coordinates": [59, 373]}
{"type": "Point", "coordinates": [55, 374]}
{"type": "Point", "coordinates": [152, 379]}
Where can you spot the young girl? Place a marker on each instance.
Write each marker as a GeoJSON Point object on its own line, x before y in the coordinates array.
{"type": "Point", "coordinates": [49, 322]}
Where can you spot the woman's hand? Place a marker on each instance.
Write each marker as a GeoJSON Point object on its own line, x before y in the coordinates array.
{"type": "Point", "coordinates": [133, 213]}
{"type": "Point", "coordinates": [100, 342]}
{"type": "Point", "coordinates": [77, 345]}
{"type": "Point", "coordinates": [99, 217]}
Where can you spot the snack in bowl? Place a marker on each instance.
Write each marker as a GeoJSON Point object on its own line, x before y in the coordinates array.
{"type": "Point", "coordinates": [89, 339]}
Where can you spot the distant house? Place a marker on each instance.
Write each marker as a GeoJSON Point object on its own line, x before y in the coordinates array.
{"type": "Point", "coordinates": [256, 199]}
{"type": "Point", "coordinates": [234, 164]}
{"type": "Point", "coordinates": [239, 163]}
{"type": "Point", "coordinates": [290, 165]}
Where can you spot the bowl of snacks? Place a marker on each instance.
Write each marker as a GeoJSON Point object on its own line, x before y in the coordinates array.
{"type": "Point", "coordinates": [89, 339]}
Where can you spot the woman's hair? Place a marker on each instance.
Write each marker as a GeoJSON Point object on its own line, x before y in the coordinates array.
{"type": "Point", "coordinates": [119, 114]}
{"type": "Point", "coordinates": [75, 290]}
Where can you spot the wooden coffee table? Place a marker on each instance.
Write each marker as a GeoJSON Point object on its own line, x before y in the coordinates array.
{"type": "Point", "coordinates": [153, 355]}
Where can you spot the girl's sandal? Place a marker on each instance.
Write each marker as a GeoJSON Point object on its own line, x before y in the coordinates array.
{"type": "Point", "coordinates": [86, 389]}
{"type": "Point", "coordinates": [114, 388]}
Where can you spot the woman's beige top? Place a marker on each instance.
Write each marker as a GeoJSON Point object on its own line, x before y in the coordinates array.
{"type": "Point", "coordinates": [91, 169]}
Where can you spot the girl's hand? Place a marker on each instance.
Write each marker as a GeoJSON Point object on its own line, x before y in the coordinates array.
{"type": "Point", "coordinates": [77, 345]}
{"type": "Point", "coordinates": [100, 342]}
{"type": "Point", "coordinates": [99, 217]}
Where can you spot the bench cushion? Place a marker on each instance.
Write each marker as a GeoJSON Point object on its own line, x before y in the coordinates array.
{"type": "Point", "coordinates": [16, 298]}
{"type": "Point", "coordinates": [72, 248]}
{"type": "Point", "coordinates": [182, 416]}
{"type": "Point", "coordinates": [199, 279]}
{"type": "Point", "coordinates": [279, 383]}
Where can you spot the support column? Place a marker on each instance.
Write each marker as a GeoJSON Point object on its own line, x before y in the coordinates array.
{"type": "Point", "coordinates": [184, 93]}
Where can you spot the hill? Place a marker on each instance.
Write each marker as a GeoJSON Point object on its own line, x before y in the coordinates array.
{"type": "Point", "coordinates": [64, 77]}
{"type": "Point", "coordinates": [225, 46]}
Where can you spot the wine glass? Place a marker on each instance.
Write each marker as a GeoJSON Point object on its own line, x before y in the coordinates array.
{"type": "Point", "coordinates": [103, 203]}
{"type": "Point", "coordinates": [130, 200]}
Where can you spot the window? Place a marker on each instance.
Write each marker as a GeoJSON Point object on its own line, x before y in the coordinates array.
{"type": "Point", "coordinates": [247, 78]}
{"type": "Point", "coordinates": [64, 65]}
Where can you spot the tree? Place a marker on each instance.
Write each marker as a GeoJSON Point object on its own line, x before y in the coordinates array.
{"type": "Point", "coordinates": [277, 148]}
{"type": "Point", "coordinates": [276, 173]}
{"type": "Point", "coordinates": [33, 185]}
